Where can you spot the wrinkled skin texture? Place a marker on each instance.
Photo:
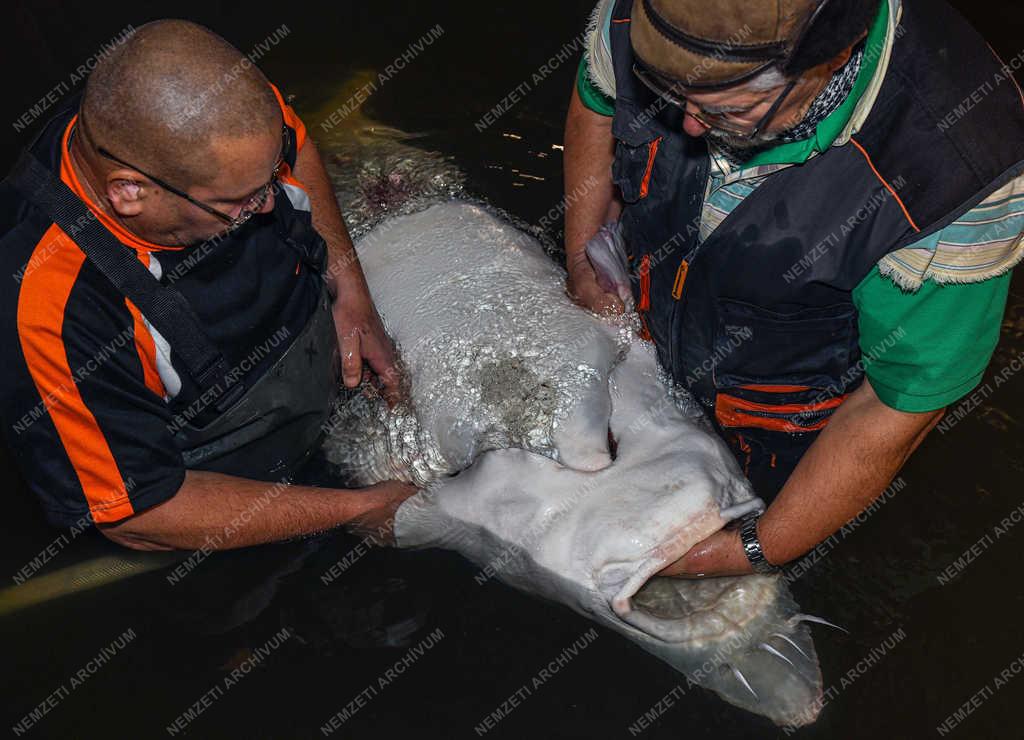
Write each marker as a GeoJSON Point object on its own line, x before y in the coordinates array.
{"type": "Point", "coordinates": [466, 320]}
{"type": "Point", "coordinates": [464, 295]}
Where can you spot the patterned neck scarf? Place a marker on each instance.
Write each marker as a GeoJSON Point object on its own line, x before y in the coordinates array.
{"type": "Point", "coordinates": [823, 106]}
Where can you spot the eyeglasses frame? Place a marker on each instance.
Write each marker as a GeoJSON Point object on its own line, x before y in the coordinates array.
{"type": "Point", "coordinates": [251, 207]}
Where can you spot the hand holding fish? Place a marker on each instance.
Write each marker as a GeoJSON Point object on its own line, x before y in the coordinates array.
{"type": "Point", "coordinates": [361, 337]}
{"type": "Point", "coordinates": [720, 554]}
{"type": "Point", "coordinates": [377, 524]}
{"type": "Point", "coordinates": [584, 288]}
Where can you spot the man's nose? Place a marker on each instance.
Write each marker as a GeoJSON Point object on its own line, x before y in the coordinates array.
{"type": "Point", "coordinates": [691, 124]}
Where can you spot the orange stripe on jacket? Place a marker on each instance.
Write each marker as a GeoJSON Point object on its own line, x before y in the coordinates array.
{"type": "Point", "coordinates": [292, 119]}
{"type": "Point", "coordinates": [885, 183]}
{"type": "Point", "coordinates": [146, 348]}
{"type": "Point", "coordinates": [730, 412]}
{"type": "Point", "coordinates": [41, 305]}
{"type": "Point", "coordinates": [652, 152]}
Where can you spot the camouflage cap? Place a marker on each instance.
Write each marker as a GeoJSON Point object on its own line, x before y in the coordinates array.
{"type": "Point", "coordinates": [716, 44]}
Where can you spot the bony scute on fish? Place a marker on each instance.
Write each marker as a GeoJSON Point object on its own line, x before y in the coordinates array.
{"type": "Point", "coordinates": [592, 538]}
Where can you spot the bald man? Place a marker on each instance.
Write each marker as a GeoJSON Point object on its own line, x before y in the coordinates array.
{"type": "Point", "coordinates": [183, 280]}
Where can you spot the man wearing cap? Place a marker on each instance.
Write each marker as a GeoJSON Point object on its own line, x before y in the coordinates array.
{"type": "Point", "coordinates": [821, 203]}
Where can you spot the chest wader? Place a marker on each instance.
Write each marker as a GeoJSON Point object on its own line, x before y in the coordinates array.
{"type": "Point", "coordinates": [264, 429]}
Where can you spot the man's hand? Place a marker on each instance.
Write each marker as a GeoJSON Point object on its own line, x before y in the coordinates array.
{"type": "Point", "coordinates": [378, 524]}
{"type": "Point", "coordinates": [584, 289]}
{"type": "Point", "coordinates": [589, 198]}
{"type": "Point", "coordinates": [212, 511]}
{"type": "Point", "coordinates": [361, 336]}
{"type": "Point", "coordinates": [846, 468]}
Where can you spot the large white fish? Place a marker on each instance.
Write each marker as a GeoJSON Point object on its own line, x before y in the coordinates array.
{"type": "Point", "coordinates": [498, 357]}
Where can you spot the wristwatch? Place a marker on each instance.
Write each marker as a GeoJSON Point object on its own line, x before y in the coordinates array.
{"type": "Point", "coordinates": [752, 545]}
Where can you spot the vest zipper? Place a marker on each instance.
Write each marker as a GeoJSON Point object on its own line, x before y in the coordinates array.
{"type": "Point", "coordinates": [688, 259]}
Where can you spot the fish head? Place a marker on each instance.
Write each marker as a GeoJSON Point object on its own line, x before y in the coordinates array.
{"type": "Point", "coordinates": [671, 486]}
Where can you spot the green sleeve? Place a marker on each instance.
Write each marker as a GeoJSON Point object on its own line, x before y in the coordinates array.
{"type": "Point", "coordinates": [590, 95]}
{"type": "Point", "coordinates": [924, 350]}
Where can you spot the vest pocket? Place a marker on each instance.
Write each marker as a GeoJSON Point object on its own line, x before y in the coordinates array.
{"type": "Point", "coordinates": [633, 168]}
{"type": "Point", "coordinates": [782, 372]}
{"type": "Point", "coordinates": [777, 408]}
{"type": "Point", "coordinates": [810, 347]}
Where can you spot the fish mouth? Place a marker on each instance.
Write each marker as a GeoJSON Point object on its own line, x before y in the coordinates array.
{"type": "Point", "coordinates": [739, 636]}
{"type": "Point", "coordinates": [664, 626]}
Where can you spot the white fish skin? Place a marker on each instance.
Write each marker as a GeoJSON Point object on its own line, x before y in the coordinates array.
{"type": "Point", "coordinates": [466, 294]}
{"type": "Point", "coordinates": [594, 541]}
{"type": "Point", "coordinates": [466, 298]}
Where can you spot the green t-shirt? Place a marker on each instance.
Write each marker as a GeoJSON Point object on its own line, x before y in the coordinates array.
{"type": "Point", "coordinates": [591, 97]}
{"type": "Point", "coordinates": [927, 349]}
{"type": "Point", "coordinates": [922, 350]}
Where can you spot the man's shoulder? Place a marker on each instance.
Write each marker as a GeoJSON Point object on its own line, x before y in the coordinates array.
{"type": "Point", "coordinates": [983, 243]}
{"type": "Point", "coordinates": [23, 225]}
{"type": "Point", "coordinates": [56, 295]}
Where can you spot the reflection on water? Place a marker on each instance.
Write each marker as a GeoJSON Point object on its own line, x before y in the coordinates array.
{"type": "Point", "coordinates": [377, 171]}
{"type": "Point", "coordinates": [939, 560]}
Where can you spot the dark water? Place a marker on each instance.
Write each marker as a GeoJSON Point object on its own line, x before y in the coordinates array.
{"type": "Point", "coordinates": [953, 640]}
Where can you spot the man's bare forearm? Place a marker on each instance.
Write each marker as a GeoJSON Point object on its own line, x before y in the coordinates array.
{"type": "Point", "coordinates": [848, 466]}
{"type": "Point", "coordinates": [343, 269]}
{"type": "Point", "coordinates": [222, 512]}
{"type": "Point", "coordinates": [589, 151]}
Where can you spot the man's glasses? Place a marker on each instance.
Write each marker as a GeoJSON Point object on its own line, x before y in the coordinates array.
{"type": "Point", "coordinates": [252, 206]}
{"type": "Point", "coordinates": [670, 92]}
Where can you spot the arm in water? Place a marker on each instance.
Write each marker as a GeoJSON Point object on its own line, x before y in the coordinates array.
{"type": "Point", "coordinates": [848, 466]}
{"type": "Point", "coordinates": [221, 512]}
{"type": "Point", "coordinates": [361, 334]}
{"type": "Point", "coordinates": [589, 198]}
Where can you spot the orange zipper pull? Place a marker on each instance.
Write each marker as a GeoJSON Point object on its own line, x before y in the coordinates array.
{"type": "Point", "coordinates": [677, 287]}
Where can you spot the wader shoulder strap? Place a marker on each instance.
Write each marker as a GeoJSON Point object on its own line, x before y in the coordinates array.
{"type": "Point", "coordinates": [164, 307]}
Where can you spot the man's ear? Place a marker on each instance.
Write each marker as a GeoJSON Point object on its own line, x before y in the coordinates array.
{"type": "Point", "coordinates": [126, 192]}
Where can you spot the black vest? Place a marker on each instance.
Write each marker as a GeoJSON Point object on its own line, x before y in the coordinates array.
{"type": "Point", "coordinates": [758, 321]}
